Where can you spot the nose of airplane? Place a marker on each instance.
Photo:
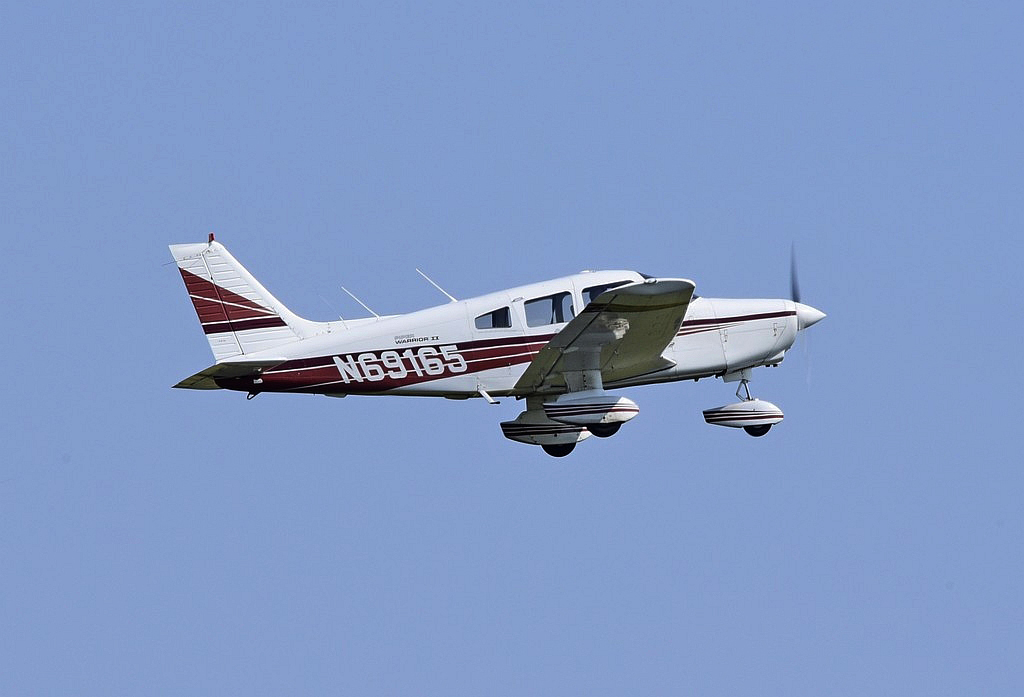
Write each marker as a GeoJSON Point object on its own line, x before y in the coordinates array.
{"type": "Point", "coordinates": [807, 315]}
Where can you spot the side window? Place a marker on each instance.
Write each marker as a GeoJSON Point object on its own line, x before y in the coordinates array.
{"type": "Point", "coordinates": [551, 309]}
{"type": "Point", "coordinates": [590, 293]}
{"type": "Point", "coordinates": [499, 319]}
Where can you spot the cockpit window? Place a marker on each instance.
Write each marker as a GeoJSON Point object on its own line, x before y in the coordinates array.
{"type": "Point", "coordinates": [551, 309]}
{"type": "Point", "coordinates": [592, 292]}
{"type": "Point", "coordinates": [498, 319]}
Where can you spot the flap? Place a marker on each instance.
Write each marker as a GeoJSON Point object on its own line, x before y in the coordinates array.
{"type": "Point", "coordinates": [622, 333]}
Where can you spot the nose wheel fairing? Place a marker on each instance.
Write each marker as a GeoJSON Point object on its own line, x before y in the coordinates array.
{"type": "Point", "coordinates": [755, 416]}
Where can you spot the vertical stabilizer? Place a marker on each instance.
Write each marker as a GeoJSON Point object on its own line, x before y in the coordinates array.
{"type": "Point", "coordinates": [238, 315]}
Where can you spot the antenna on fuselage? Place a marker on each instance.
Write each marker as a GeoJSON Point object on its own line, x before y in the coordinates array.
{"type": "Point", "coordinates": [365, 306]}
{"type": "Point", "coordinates": [431, 282]}
{"type": "Point", "coordinates": [334, 310]}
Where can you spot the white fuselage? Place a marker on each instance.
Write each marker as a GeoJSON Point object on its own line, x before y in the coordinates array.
{"type": "Point", "coordinates": [484, 344]}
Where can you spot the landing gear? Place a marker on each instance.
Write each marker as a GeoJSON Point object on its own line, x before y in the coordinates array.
{"type": "Point", "coordinates": [755, 416]}
{"type": "Point", "coordinates": [760, 429]}
{"type": "Point", "coordinates": [559, 450]}
{"type": "Point", "coordinates": [604, 430]}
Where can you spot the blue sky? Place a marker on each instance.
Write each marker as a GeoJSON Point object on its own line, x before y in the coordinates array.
{"type": "Point", "coordinates": [156, 541]}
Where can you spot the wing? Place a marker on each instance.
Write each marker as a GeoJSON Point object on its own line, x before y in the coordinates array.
{"type": "Point", "coordinates": [621, 334]}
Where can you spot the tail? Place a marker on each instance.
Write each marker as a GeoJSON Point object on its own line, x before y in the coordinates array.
{"type": "Point", "coordinates": [239, 316]}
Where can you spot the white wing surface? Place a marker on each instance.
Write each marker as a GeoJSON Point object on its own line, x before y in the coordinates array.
{"type": "Point", "coordinates": [621, 334]}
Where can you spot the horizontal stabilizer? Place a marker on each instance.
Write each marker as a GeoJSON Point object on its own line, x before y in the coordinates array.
{"type": "Point", "coordinates": [206, 379]}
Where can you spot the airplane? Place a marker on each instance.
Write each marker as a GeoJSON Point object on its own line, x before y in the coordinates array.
{"type": "Point", "coordinates": [561, 346]}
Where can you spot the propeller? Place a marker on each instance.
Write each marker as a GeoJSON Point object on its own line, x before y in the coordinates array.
{"type": "Point", "coordinates": [794, 283]}
{"type": "Point", "coordinates": [805, 314]}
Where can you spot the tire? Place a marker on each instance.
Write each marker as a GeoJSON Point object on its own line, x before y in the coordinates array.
{"type": "Point", "coordinates": [559, 449]}
{"type": "Point", "coordinates": [757, 431]}
{"type": "Point", "coordinates": [604, 430]}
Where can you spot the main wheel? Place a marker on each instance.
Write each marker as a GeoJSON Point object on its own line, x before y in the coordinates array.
{"type": "Point", "coordinates": [604, 430]}
{"type": "Point", "coordinates": [758, 431]}
{"type": "Point", "coordinates": [559, 449]}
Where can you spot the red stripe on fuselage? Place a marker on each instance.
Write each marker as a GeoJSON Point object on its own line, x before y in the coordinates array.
{"type": "Point", "coordinates": [320, 374]}
{"type": "Point", "coordinates": [739, 318]}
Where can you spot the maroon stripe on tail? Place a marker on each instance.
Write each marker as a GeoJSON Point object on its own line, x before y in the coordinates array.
{"type": "Point", "coordinates": [242, 325]}
{"type": "Point", "coordinates": [221, 310]}
{"type": "Point", "coordinates": [216, 304]}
